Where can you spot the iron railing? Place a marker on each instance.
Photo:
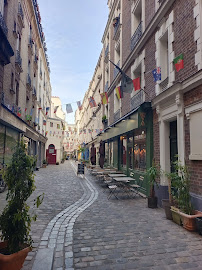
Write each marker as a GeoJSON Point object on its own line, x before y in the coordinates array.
{"type": "Point", "coordinates": [117, 115]}
{"type": "Point", "coordinates": [164, 84]}
{"type": "Point", "coordinates": [20, 11]}
{"type": "Point", "coordinates": [116, 26]}
{"type": "Point", "coordinates": [136, 100]}
{"type": "Point", "coordinates": [136, 36]}
{"type": "Point", "coordinates": [18, 59]}
{"type": "Point", "coordinates": [116, 71]}
{"type": "Point", "coordinates": [3, 25]}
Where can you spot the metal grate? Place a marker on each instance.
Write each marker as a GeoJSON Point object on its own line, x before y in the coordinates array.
{"type": "Point", "coordinates": [164, 84]}
{"type": "Point", "coordinates": [136, 100]}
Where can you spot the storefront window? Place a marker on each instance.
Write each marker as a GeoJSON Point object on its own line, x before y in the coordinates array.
{"type": "Point", "coordinates": [123, 151]}
{"type": "Point", "coordinates": [111, 153]}
{"type": "Point", "coordinates": [140, 152]}
{"type": "Point", "coordinates": [130, 152]}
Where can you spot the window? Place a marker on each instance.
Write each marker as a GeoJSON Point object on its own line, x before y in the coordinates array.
{"type": "Point", "coordinates": [164, 57]}
{"type": "Point", "coordinates": [123, 151]}
{"type": "Point", "coordinates": [17, 92]}
{"type": "Point", "coordinates": [12, 82]}
{"type": "Point", "coordinates": [137, 21]}
{"type": "Point", "coordinates": [194, 114]}
{"type": "Point", "coordinates": [130, 152]}
{"type": "Point", "coordinates": [51, 124]}
{"type": "Point", "coordinates": [140, 152]}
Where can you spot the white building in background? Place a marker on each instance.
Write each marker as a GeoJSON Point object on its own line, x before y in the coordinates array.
{"type": "Point", "coordinates": [70, 141]}
{"type": "Point", "coordinates": [55, 132]}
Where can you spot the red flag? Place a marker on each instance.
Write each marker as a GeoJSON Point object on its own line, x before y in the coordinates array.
{"type": "Point", "coordinates": [136, 84]}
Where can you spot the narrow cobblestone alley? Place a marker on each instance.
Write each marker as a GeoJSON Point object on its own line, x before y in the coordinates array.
{"type": "Point", "coordinates": [79, 228]}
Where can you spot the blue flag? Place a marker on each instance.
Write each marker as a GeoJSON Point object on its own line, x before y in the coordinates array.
{"type": "Point", "coordinates": [157, 74]}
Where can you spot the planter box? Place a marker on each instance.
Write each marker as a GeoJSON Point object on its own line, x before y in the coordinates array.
{"type": "Point", "coordinates": [189, 221]}
{"type": "Point", "coordinates": [176, 215]}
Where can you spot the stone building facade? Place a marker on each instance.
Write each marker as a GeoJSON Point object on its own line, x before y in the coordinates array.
{"type": "Point", "coordinates": [25, 87]}
{"type": "Point", "coordinates": [163, 118]}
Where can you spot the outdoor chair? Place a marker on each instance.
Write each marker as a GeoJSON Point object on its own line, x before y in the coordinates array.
{"type": "Point", "coordinates": [137, 186]}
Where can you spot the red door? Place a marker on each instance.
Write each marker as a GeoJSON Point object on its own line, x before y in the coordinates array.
{"type": "Point", "coordinates": [51, 154]}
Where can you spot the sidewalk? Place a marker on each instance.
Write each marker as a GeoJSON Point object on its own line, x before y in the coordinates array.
{"type": "Point", "coordinates": [79, 228]}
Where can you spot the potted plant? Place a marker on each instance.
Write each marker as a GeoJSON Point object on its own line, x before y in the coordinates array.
{"type": "Point", "coordinates": [104, 119]}
{"type": "Point", "coordinates": [153, 173]}
{"type": "Point", "coordinates": [180, 186]}
{"type": "Point", "coordinates": [15, 220]}
{"type": "Point", "coordinates": [44, 164]}
{"type": "Point", "coordinates": [167, 203]}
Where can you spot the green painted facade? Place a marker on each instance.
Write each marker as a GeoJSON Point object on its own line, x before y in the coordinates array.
{"type": "Point", "coordinates": [143, 122]}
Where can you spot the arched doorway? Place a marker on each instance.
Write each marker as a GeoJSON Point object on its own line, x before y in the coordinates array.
{"type": "Point", "coordinates": [51, 154]}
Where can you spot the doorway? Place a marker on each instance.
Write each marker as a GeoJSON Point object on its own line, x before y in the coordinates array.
{"type": "Point", "coordinates": [173, 144]}
{"type": "Point", "coordinates": [51, 154]}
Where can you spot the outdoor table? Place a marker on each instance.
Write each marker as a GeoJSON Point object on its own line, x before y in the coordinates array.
{"type": "Point", "coordinates": [116, 175]}
{"type": "Point", "coordinates": [123, 179]}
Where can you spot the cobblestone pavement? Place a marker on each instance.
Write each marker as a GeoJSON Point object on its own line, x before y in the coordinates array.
{"type": "Point", "coordinates": [79, 228]}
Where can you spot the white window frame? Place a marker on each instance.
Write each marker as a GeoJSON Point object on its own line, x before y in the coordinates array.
{"type": "Point", "coordinates": [165, 26]}
{"type": "Point", "coordinates": [198, 33]}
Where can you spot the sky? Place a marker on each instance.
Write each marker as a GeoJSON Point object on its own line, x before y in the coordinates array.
{"type": "Point", "coordinates": [73, 32]}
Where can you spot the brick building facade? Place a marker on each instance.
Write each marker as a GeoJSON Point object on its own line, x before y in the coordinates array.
{"type": "Point", "coordinates": [142, 35]}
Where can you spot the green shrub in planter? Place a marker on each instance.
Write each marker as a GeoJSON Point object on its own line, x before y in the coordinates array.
{"type": "Point", "coordinates": [15, 221]}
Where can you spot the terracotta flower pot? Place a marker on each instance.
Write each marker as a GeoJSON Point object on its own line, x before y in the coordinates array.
{"type": "Point", "coordinates": [14, 261]}
{"type": "Point", "coordinates": [189, 221]}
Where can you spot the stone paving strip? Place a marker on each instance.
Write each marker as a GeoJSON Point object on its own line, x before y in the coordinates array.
{"type": "Point", "coordinates": [56, 246]}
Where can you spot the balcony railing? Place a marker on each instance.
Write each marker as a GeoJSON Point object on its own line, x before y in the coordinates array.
{"type": "Point", "coordinates": [117, 115]}
{"type": "Point", "coordinates": [18, 59]}
{"type": "Point", "coordinates": [29, 82]}
{"type": "Point", "coordinates": [164, 84]}
{"type": "Point", "coordinates": [116, 71]}
{"type": "Point", "coordinates": [106, 86]}
{"type": "Point", "coordinates": [3, 25]}
{"type": "Point", "coordinates": [116, 26]}
{"type": "Point", "coordinates": [20, 11]}
{"type": "Point", "coordinates": [136, 36]}
{"type": "Point", "coordinates": [136, 100]}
